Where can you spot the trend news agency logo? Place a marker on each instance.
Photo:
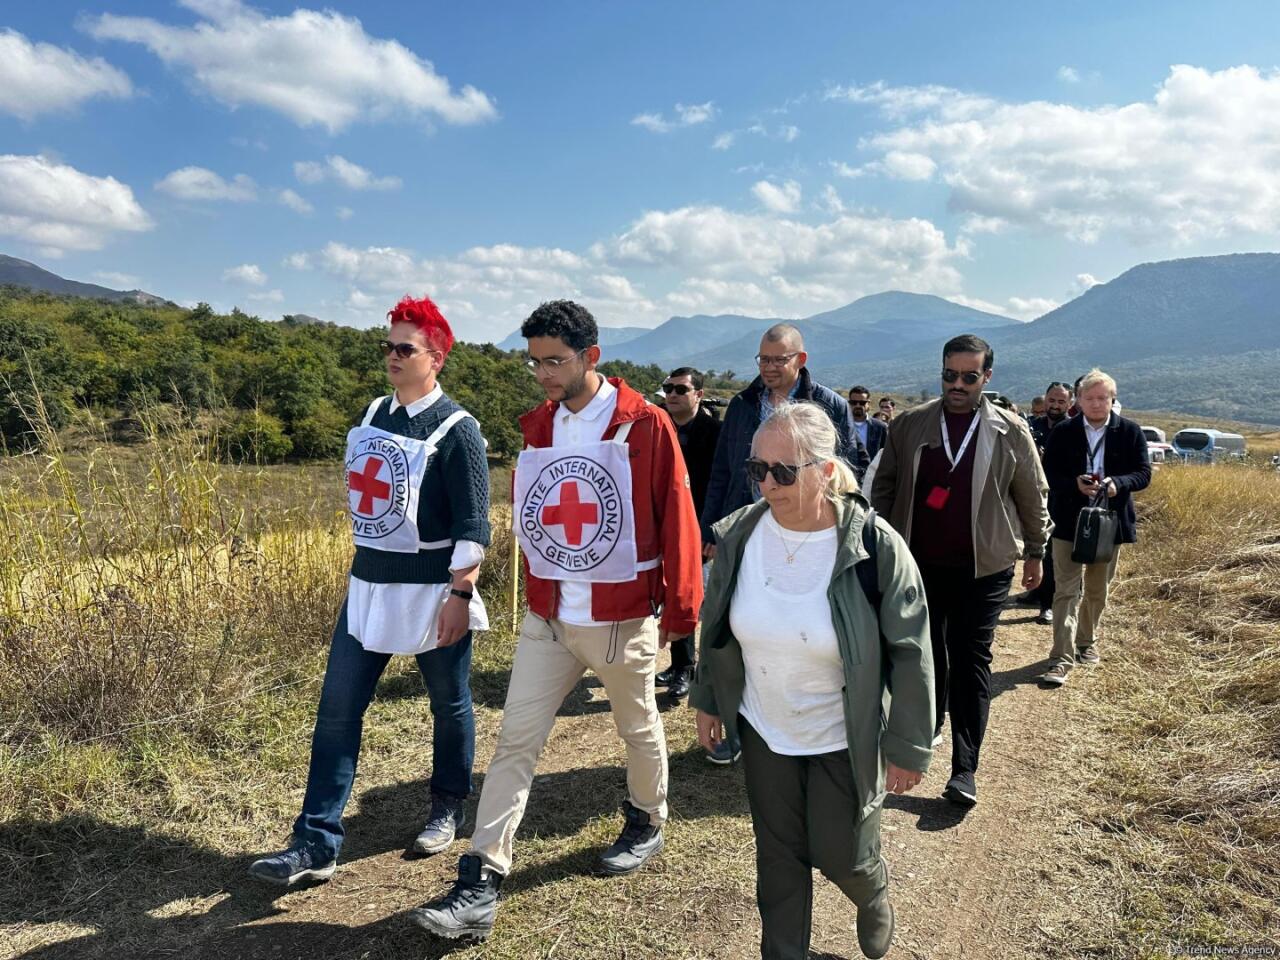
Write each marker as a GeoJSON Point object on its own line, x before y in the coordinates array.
{"type": "Point", "coordinates": [377, 487]}
{"type": "Point", "coordinates": [572, 514]}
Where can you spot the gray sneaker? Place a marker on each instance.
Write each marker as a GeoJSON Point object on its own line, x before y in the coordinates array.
{"type": "Point", "coordinates": [299, 862]}
{"type": "Point", "coordinates": [447, 817]}
{"type": "Point", "coordinates": [638, 841]}
{"type": "Point", "coordinates": [1056, 675]}
{"type": "Point", "coordinates": [1088, 656]}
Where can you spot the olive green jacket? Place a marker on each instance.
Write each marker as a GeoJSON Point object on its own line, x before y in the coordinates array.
{"type": "Point", "coordinates": [888, 667]}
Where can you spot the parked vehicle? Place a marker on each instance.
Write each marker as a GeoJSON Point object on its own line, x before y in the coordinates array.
{"type": "Point", "coordinates": [1196, 443]}
{"type": "Point", "coordinates": [1154, 435]}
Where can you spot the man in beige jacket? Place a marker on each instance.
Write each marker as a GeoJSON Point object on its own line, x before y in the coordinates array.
{"type": "Point", "coordinates": [960, 480]}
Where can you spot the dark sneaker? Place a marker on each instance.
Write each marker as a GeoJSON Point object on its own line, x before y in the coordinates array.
{"type": "Point", "coordinates": [961, 789]}
{"type": "Point", "coordinates": [724, 754]}
{"type": "Point", "coordinates": [638, 841]}
{"type": "Point", "coordinates": [296, 863]}
{"type": "Point", "coordinates": [467, 911]}
{"type": "Point", "coordinates": [1088, 656]}
{"type": "Point", "coordinates": [678, 689]}
{"type": "Point", "coordinates": [663, 677]}
{"type": "Point", "coordinates": [1045, 617]}
{"type": "Point", "coordinates": [443, 823]}
{"type": "Point", "coordinates": [1056, 675]}
{"type": "Point", "coordinates": [1023, 600]}
{"type": "Point", "coordinates": [875, 922]}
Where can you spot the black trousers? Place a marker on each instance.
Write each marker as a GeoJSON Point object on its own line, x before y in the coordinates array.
{"type": "Point", "coordinates": [803, 812]}
{"type": "Point", "coordinates": [682, 653]}
{"type": "Point", "coordinates": [963, 612]}
{"type": "Point", "coordinates": [1044, 593]}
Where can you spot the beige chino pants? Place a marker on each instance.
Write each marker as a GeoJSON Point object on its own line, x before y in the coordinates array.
{"type": "Point", "coordinates": [1078, 612]}
{"type": "Point", "coordinates": [551, 657]}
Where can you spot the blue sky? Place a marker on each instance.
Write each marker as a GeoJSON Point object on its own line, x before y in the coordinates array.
{"type": "Point", "coordinates": [648, 159]}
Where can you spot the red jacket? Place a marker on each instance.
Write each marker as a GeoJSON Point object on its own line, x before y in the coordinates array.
{"type": "Point", "coordinates": [666, 524]}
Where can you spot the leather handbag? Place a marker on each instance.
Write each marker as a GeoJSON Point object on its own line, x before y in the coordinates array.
{"type": "Point", "coordinates": [1095, 539]}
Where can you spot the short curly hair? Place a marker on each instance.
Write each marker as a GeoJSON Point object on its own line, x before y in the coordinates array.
{"type": "Point", "coordinates": [567, 321]}
{"type": "Point", "coordinates": [426, 316]}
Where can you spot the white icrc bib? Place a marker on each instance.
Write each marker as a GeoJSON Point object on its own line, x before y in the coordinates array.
{"type": "Point", "coordinates": [384, 474]}
{"type": "Point", "coordinates": [574, 516]}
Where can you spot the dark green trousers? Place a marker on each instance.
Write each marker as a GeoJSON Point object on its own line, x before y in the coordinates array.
{"type": "Point", "coordinates": [803, 812]}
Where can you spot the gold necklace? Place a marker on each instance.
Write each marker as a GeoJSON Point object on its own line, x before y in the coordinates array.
{"type": "Point", "coordinates": [791, 554]}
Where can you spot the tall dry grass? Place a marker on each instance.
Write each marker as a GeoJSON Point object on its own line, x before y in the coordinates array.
{"type": "Point", "coordinates": [1186, 725]}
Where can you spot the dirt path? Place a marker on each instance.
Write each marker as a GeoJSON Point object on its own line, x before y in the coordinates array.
{"type": "Point", "coordinates": [964, 886]}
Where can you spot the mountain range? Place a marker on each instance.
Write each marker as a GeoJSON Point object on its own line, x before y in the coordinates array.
{"type": "Point", "coordinates": [22, 273]}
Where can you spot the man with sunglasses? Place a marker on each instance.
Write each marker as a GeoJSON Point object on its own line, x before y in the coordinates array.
{"type": "Point", "coordinates": [783, 378]}
{"type": "Point", "coordinates": [697, 429]}
{"type": "Point", "coordinates": [1056, 402]}
{"type": "Point", "coordinates": [869, 431]}
{"type": "Point", "coordinates": [609, 578]}
{"type": "Point", "coordinates": [961, 481]}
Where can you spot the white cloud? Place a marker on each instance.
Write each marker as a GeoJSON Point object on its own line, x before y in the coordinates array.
{"type": "Point", "coordinates": [247, 273]}
{"type": "Point", "coordinates": [340, 169]}
{"type": "Point", "coordinates": [316, 67]}
{"type": "Point", "coordinates": [831, 201]}
{"type": "Point", "coordinates": [788, 133]}
{"type": "Point", "coordinates": [1084, 281]}
{"type": "Point", "coordinates": [780, 198]}
{"type": "Point", "coordinates": [56, 207]}
{"type": "Point", "coordinates": [268, 296]}
{"type": "Point", "coordinates": [1199, 160]}
{"type": "Point", "coordinates": [120, 281]}
{"type": "Point", "coordinates": [1068, 74]}
{"type": "Point", "coordinates": [1028, 308]}
{"type": "Point", "coordinates": [686, 115]}
{"type": "Point", "coordinates": [344, 213]}
{"type": "Point", "coordinates": [38, 78]}
{"type": "Point", "coordinates": [908, 166]}
{"type": "Point", "coordinates": [723, 142]}
{"type": "Point", "coordinates": [198, 183]}
{"type": "Point", "coordinates": [842, 169]}
{"type": "Point", "coordinates": [294, 202]}
{"type": "Point", "coordinates": [297, 261]}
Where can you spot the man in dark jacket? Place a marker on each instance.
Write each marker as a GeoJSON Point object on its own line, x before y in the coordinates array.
{"type": "Point", "coordinates": [697, 429]}
{"type": "Point", "coordinates": [783, 378]}
{"type": "Point", "coordinates": [869, 431]}
{"type": "Point", "coordinates": [1095, 452]}
{"type": "Point", "coordinates": [1056, 402]}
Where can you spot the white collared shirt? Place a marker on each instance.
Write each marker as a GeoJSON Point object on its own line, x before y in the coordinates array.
{"type": "Point", "coordinates": [401, 617]}
{"type": "Point", "coordinates": [1095, 435]}
{"type": "Point", "coordinates": [570, 429]}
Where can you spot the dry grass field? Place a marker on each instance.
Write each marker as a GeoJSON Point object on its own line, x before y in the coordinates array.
{"type": "Point", "coordinates": [163, 623]}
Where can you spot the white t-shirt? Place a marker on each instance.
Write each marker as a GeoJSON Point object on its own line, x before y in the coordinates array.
{"type": "Point", "coordinates": [782, 618]}
{"type": "Point", "coordinates": [570, 429]}
{"type": "Point", "coordinates": [401, 617]}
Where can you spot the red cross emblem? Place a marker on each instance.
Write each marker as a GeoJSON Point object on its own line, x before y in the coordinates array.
{"type": "Point", "coordinates": [367, 484]}
{"type": "Point", "coordinates": [571, 513]}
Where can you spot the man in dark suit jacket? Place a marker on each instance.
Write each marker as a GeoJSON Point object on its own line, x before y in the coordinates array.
{"type": "Point", "coordinates": [1095, 452]}
{"type": "Point", "coordinates": [868, 431]}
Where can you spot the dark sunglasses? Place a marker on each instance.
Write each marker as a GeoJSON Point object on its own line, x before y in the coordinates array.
{"type": "Point", "coordinates": [679, 389]}
{"type": "Point", "coordinates": [858, 403]}
{"type": "Point", "coordinates": [951, 376]}
{"type": "Point", "coordinates": [784, 474]}
{"type": "Point", "coordinates": [402, 350]}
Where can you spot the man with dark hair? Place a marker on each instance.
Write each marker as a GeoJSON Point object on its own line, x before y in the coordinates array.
{"type": "Point", "coordinates": [869, 431]}
{"type": "Point", "coordinates": [1056, 402]}
{"type": "Point", "coordinates": [600, 565]}
{"type": "Point", "coordinates": [1037, 406]}
{"type": "Point", "coordinates": [960, 480]}
{"type": "Point", "coordinates": [697, 430]}
{"type": "Point", "coordinates": [888, 408]}
{"type": "Point", "coordinates": [783, 378]}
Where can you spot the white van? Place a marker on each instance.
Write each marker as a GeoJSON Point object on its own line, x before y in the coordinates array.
{"type": "Point", "coordinates": [1197, 443]}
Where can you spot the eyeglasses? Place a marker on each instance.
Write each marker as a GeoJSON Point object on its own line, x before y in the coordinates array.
{"type": "Point", "coordinates": [679, 389]}
{"type": "Point", "coordinates": [782, 361]}
{"type": "Point", "coordinates": [858, 403]}
{"type": "Point", "coordinates": [402, 350]}
{"type": "Point", "coordinates": [969, 377]}
{"type": "Point", "coordinates": [551, 364]}
{"type": "Point", "coordinates": [784, 474]}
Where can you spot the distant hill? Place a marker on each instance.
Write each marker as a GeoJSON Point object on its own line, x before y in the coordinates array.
{"type": "Point", "coordinates": [609, 336]}
{"type": "Point", "coordinates": [1200, 335]}
{"type": "Point", "coordinates": [21, 273]}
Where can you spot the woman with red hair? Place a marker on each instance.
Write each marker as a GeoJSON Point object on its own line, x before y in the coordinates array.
{"type": "Point", "coordinates": [418, 495]}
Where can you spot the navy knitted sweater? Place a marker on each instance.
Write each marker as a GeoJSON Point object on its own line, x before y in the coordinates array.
{"type": "Point", "coordinates": [453, 502]}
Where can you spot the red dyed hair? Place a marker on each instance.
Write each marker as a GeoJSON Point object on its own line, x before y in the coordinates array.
{"type": "Point", "coordinates": [426, 316]}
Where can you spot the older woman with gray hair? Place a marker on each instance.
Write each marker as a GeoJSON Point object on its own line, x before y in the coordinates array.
{"type": "Point", "coordinates": [816, 656]}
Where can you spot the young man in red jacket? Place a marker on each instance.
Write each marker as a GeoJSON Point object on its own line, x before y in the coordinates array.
{"type": "Point", "coordinates": [611, 541]}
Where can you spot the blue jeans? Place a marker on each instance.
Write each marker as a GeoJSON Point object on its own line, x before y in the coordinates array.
{"type": "Point", "coordinates": [349, 681]}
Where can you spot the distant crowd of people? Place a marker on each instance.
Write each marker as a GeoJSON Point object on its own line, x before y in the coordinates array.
{"type": "Point", "coordinates": [847, 569]}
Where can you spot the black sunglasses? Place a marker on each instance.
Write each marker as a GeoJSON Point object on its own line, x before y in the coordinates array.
{"type": "Point", "coordinates": [784, 474]}
{"type": "Point", "coordinates": [679, 389]}
{"type": "Point", "coordinates": [951, 376]}
{"type": "Point", "coordinates": [402, 350]}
